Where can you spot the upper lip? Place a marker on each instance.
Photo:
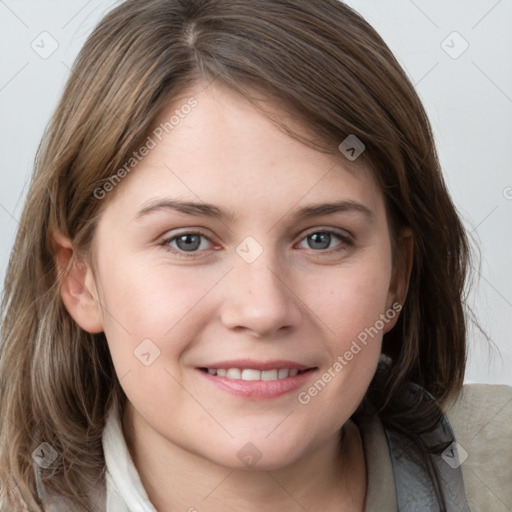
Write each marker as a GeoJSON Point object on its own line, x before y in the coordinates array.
{"type": "Point", "coordinates": [257, 365]}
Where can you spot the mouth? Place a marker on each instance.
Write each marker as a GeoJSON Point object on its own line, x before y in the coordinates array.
{"type": "Point", "coordinates": [251, 374]}
{"type": "Point", "coordinates": [257, 380]}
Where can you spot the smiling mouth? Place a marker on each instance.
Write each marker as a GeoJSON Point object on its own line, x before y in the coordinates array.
{"type": "Point", "coordinates": [249, 374]}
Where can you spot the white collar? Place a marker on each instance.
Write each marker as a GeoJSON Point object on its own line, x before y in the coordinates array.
{"type": "Point", "coordinates": [125, 492]}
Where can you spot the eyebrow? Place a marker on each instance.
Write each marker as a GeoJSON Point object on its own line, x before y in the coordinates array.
{"type": "Point", "coordinates": [209, 210]}
{"type": "Point", "coordinates": [188, 207]}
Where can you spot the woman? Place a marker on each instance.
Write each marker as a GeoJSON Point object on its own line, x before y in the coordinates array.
{"type": "Point", "coordinates": [239, 279]}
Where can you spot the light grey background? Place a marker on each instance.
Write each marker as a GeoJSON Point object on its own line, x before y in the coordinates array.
{"type": "Point", "coordinates": [467, 94]}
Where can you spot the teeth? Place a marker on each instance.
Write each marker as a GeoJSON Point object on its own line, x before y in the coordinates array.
{"type": "Point", "coordinates": [283, 373]}
{"type": "Point", "coordinates": [269, 375]}
{"type": "Point", "coordinates": [233, 373]}
{"type": "Point", "coordinates": [250, 374]}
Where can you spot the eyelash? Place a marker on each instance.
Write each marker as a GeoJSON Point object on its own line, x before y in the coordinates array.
{"type": "Point", "coordinates": [346, 242]}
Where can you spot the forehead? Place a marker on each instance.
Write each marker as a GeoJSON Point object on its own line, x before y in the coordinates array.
{"type": "Point", "coordinates": [211, 144]}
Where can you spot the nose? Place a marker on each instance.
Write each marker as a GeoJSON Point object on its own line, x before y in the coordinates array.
{"type": "Point", "coordinates": [259, 298]}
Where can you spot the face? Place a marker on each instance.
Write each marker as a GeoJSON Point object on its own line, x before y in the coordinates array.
{"type": "Point", "coordinates": [217, 262]}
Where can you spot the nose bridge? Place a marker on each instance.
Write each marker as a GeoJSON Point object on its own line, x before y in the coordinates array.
{"type": "Point", "coordinates": [258, 297]}
{"type": "Point", "coordinates": [262, 279]}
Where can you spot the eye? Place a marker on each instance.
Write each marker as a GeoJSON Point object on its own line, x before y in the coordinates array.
{"type": "Point", "coordinates": [320, 240]}
{"type": "Point", "coordinates": [323, 239]}
{"type": "Point", "coordinates": [187, 242]}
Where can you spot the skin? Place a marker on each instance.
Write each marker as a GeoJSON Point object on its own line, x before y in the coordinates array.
{"type": "Point", "coordinates": [295, 301]}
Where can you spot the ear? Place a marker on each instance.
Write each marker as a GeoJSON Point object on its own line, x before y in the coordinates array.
{"type": "Point", "coordinates": [402, 267]}
{"type": "Point", "coordinates": [77, 286]}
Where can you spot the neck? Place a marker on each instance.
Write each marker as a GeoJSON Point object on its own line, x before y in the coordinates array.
{"type": "Point", "coordinates": [332, 478]}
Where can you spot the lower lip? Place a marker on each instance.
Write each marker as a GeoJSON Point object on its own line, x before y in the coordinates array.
{"type": "Point", "coordinates": [259, 389]}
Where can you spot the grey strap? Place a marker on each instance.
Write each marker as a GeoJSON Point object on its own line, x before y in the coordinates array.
{"type": "Point", "coordinates": [414, 489]}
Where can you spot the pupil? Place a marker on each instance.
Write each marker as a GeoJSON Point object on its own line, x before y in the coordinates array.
{"type": "Point", "coordinates": [320, 240]}
{"type": "Point", "coordinates": [188, 242]}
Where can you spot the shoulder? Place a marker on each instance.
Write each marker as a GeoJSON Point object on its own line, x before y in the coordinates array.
{"type": "Point", "coordinates": [481, 419]}
{"type": "Point", "coordinates": [481, 409]}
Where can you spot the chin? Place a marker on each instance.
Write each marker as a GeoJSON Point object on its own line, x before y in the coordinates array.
{"type": "Point", "coordinates": [258, 455]}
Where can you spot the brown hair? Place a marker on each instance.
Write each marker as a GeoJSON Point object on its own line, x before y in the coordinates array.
{"type": "Point", "coordinates": [334, 75]}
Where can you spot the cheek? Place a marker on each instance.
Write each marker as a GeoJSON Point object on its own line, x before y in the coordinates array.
{"type": "Point", "coordinates": [350, 313]}
{"type": "Point", "coordinates": [350, 310]}
{"type": "Point", "coordinates": [351, 298]}
{"type": "Point", "coordinates": [156, 303]}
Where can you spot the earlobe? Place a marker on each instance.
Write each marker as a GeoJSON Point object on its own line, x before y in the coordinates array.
{"type": "Point", "coordinates": [76, 285]}
{"type": "Point", "coordinates": [401, 276]}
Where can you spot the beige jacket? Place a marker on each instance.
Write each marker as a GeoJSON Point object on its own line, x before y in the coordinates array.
{"type": "Point", "coordinates": [481, 419]}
